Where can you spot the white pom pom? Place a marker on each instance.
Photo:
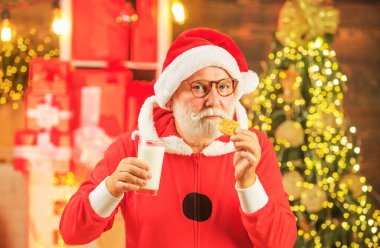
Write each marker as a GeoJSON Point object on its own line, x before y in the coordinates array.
{"type": "Point", "coordinates": [250, 81]}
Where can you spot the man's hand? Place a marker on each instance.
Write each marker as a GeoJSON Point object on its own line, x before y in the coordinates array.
{"type": "Point", "coordinates": [130, 174]}
{"type": "Point", "coordinates": [246, 158]}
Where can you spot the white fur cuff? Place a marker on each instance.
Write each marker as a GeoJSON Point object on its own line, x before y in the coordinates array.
{"type": "Point", "coordinates": [101, 200]}
{"type": "Point", "coordinates": [252, 198]}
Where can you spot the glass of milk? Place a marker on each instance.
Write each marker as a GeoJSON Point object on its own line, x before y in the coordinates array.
{"type": "Point", "coordinates": [152, 153]}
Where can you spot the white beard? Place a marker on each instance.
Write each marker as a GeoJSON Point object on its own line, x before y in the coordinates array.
{"type": "Point", "coordinates": [194, 123]}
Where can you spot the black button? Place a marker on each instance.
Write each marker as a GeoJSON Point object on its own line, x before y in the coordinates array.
{"type": "Point", "coordinates": [197, 207]}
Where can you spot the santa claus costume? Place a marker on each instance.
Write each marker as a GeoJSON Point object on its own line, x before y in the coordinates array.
{"type": "Point", "coordinates": [198, 203]}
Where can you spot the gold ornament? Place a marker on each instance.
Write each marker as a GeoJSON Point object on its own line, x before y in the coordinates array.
{"type": "Point", "coordinates": [292, 132]}
{"type": "Point", "coordinates": [291, 90]}
{"type": "Point", "coordinates": [313, 198]}
{"type": "Point", "coordinates": [352, 182]}
{"type": "Point", "coordinates": [297, 162]}
{"type": "Point", "coordinates": [304, 225]}
{"type": "Point", "coordinates": [303, 20]}
{"type": "Point", "coordinates": [293, 183]}
{"type": "Point", "coordinates": [328, 119]}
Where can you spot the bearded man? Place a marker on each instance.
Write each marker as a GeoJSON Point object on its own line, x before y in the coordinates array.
{"type": "Point", "coordinates": [215, 190]}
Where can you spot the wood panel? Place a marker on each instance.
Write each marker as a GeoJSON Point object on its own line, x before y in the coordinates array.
{"type": "Point", "coordinates": [13, 205]}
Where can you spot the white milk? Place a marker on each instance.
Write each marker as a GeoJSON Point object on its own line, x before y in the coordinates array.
{"type": "Point", "coordinates": [153, 156]}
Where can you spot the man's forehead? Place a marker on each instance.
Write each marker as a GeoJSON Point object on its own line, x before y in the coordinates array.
{"type": "Point", "coordinates": [209, 73]}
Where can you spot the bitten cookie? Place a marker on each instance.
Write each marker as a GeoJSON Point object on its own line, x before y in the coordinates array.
{"type": "Point", "coordinates": [228, 127]}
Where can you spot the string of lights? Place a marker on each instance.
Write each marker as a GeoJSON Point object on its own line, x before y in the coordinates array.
{"type": "Point", "coordinates": [299, 106]}
{"type": "Point", "coordinates": [17, 50]}
{"type": "Point", "coordinates": [15, 57]}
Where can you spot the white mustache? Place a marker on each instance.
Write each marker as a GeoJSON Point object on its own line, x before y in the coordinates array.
{"type": "Point", "coordinates": [208, 112]}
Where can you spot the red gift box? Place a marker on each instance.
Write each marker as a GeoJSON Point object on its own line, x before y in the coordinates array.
{"type": "Point", "coordinates": [144, 32]}
{"type": "Point", "coordinates": [48, 111]}
{"type": "Point", "coordinates": [33, 150]}
{"type": "Point", "coordinates": [112, 83]}
{"type": "Point", "coordinates": [137, 93]}
{"type": "Point", "coordinates": [96, 32]}
{"type": "Point", "coordinates": [49, 76]}
{"type": "Point", "coordinates": [59, 205]}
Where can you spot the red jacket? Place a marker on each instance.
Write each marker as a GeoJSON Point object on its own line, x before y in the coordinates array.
{"type": "Point", "coordinates": [197, 204]}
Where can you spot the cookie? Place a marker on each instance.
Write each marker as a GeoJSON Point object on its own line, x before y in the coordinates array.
{"type": "Point", "coordinates": [228, 127]}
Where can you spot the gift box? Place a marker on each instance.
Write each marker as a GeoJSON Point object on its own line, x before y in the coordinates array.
{"type": "Point", "coordinates": [112, 84]}
{"type": "Point", "coordinates": [49, 76]}
{"type": "Point", "coordinates": [43, 222]}
{"type": "Point", "coordinates": [90, 140]}
{"type": "Point", "coordinates": [144, 32]}
{"type": "Point", "coordinates": [137, 93]}
{"type": "Point", "coordinates": [48, 111]}
{"type": "Point", "coordinates": [98, 31]}
{"type": "Point", "coordinates": [42, 151]}
{"type": "Point", "coordinates": [49, 183]}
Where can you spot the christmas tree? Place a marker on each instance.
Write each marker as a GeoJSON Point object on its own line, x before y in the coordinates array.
{"type": "Point", "coordinates": [15, 56]}
{"type": "Point", "coordinates": [299, 106]}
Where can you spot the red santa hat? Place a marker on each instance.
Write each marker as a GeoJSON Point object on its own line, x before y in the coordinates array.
{"type": "Point", "coordinates": [199, 48]}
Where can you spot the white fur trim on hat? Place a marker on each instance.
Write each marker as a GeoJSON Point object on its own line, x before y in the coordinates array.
{"type": "Point", "coordinates": [250, 81]}
{"type": "Point", "coordinates": [145, 120]}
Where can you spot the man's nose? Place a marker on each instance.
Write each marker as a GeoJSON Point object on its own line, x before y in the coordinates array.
{"type": "Point", "coordinates": [213, 97]}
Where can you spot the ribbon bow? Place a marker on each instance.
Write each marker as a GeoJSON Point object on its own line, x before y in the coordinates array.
{"type": "Point", "coordinates": [303, 20]}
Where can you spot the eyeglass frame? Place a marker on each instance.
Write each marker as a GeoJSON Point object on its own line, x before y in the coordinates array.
{"type": "Point", "coordinates": [234, 86]}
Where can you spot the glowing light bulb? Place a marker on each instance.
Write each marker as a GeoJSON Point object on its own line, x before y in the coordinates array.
{"type": "Point", "coordinates": [353, 129]}
{"type": "Point", "coordinates": [6, 31]}
{"type": "Point", "coordinates": [179, 12]}
{"type": "Point", "coordinates": [316, 44]}
{"type": "Point", "coordinates": [58, 24]}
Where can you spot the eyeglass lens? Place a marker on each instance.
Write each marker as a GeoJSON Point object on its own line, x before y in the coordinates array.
{"type": "Point", "coordinates": [201, 88]}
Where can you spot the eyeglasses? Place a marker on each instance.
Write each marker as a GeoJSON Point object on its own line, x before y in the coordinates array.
{"type": "Point", "coordinates": [224, 87]}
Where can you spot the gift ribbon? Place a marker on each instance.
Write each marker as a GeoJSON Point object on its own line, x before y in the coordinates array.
{"type": "Point", "coordinates": [90, 145]}
{"type": "Point", "coordinates": [42, 155]}
{"type": "Point", "coordinates": [53, 70]}
{"type": "Point", "coordinates": [46, 114]}
{"type": "Point", "coordinates": [90, 141]}
{"type": "Point", "coordinates": [303, 20]}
